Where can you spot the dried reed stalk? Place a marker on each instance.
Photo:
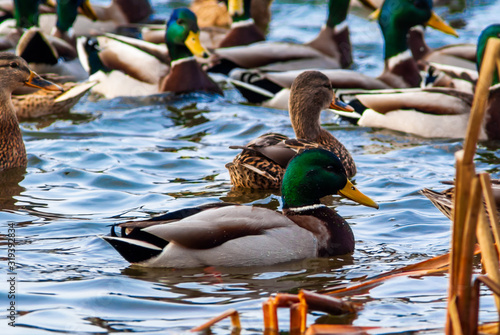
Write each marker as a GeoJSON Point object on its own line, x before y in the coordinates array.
{"type": "Point", "coordinates": [270, 316]}
{"type": "Point", "coordinates": [233, 314]}
{"type": "Point", "coordinates": [467, 186]}
{"type": "Point", "coordinates": [298, 316]}
{"type": "Point", "coordinates": [464, 281]}
{"type": "Point", "coordinates": [491, 207]}
{"type": "Point", "coordinates": [489, 255]}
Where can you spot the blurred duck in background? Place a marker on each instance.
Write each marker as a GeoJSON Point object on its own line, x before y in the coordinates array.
{"type": "Point", "coordinates": [124, 70]}
{"type": "Point", "coordinates": [433, 112]}
{"type": "Point", "coordinates": [395, 19]}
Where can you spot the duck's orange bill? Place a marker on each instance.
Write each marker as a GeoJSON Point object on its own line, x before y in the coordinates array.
{"type": "Point", "coordinates": [88, 11]}
{"type": "Point", "coordinates": [340, 105]}
{"type": "Point", "coordinates": [36, 81]}
{"type": "Point", "coordinates": [194, 45]}
{"type": "Point", "coordinates": [438, 23]}
{"type": "Point", "coordinates": [351, 192]}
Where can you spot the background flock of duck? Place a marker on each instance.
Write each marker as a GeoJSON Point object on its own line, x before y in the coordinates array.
{"type": "Point", "coordinates": [421, 91]}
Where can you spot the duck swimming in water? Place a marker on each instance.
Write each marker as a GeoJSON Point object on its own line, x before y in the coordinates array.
{"type": "Point", "coordinates": [233, 235]}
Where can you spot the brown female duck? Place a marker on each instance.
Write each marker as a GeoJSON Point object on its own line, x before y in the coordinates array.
{"type": "Point", "coordinates": [262, 162]}
{"type": "Point", "coordinates": [14, 73]}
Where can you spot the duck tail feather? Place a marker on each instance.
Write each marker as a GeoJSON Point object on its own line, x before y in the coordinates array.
{"type": "Point", "coordinates": [134, 251]}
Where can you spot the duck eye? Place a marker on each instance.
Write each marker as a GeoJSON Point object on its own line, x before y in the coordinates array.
{"type": "Point", "coordinates": [180, 21]}
{"type": "Point", "coordinates": [14, 65]}
{"type": "Point", "coordinates": [328, 86]}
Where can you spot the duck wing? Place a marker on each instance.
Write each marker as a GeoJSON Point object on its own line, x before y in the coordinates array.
{"type": "Point", "coordinates": [439, 101]}
{"type": "Point", "coordinates": [228, 236]}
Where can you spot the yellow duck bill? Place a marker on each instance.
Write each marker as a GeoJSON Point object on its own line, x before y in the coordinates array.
{"type": "Point", "coordinates": [435, 22]}
{"type": "Point", "coordinates": [438, 23]}
{"type": "Point", "coordinates": [351, 192]}
{"type": "Point", "coordinates": [193, 43]}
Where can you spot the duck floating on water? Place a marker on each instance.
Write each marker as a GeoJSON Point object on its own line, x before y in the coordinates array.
{"type": "Point", "coordinates": [233, 235]}
{"type": "Point", "coordinates": [330, 49]}
{"type": "Point", "coordinates": [15, 73]}
{"type": "Point", "coordinates": [433, 112]}
{"type": "Point", "coordinates": [141, 73]}
{"type": "Point", "coordinates": [400, 69]}
{"type": "Point", "coordinates": [262, 162]}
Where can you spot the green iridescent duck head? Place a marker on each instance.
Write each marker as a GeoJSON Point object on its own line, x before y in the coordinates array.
{"type": "Point", "coordinates": [316, 173]}
{"type": "Point", "coordinates": [397, 17]}
{"type": "Point", "coordinates": [67, 11]}
{"type": "Point", "coordinates": [183, 35]}
{"type": "Point", "coordinates": [492, 31]}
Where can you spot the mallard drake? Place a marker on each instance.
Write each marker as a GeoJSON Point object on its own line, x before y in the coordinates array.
{"type": "Point", "coordinates": [223, 27]}
{"type": "Point", "coordinates": [15, 73]}
{"type": "Point", "coordinates": [262, 162]}
{"type": "Point", "coordinates": [114, 82]}
{"type": "Point", "coordinates": [247, 235]}
{"type": "Point", "coordinates": [400, 69]}
{"type": "Point", "coordinates": [43, 102]}
{"type": "Point", "coordinates": [324, 51]}
{"type": "Point", "coordinates": [434, 112]}
{"type": "Point", "coordinates": [182, 40]}
{"type": "Point", "coordinates": [444, 200]}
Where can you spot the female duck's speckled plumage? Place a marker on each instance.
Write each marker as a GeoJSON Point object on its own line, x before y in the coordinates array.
{"type": "Point", "coordinates": [231, 235]}
{"type": "Point", "coordinates": [14, 73]}
{"type": "Point", "coordinates": [42, 102]}
{"type": "Point", "coordinates": [444, 200]}
{"type": "Point", "coordinates": [262, 162]}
